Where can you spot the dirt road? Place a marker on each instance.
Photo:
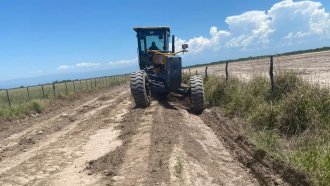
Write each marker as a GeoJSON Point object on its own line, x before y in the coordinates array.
{"type": "Point", "coordinates": [106, 141]}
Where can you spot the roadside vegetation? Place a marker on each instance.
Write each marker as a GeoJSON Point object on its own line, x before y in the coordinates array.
{"type": "Point", "coordinates": [41, 98]}
{"type": "Point", "coordinates": [292, 123]}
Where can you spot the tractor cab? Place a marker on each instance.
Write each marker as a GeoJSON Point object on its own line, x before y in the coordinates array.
{"type": "Point", "coordinates": [151, 39]}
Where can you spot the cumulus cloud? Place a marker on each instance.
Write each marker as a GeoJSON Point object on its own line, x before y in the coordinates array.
{"type": "Point", "coordinates": [78, 65]}
{"type": "Point", "coordinates": [285, 23]}
{"type": "Point", "coordinates": [300, 20]}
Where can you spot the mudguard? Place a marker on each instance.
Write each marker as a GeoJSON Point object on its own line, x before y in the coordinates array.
{"type": "Point", "coordinates": [173, 70]}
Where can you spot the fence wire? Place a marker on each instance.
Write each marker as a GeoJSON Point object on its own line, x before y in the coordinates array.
{"type": "Point", "coordinates": [18, 96]}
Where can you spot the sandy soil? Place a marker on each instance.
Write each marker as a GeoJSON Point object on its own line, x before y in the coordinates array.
{"type": "Point", "coordinates": [106, 141]}
{"type": "Point", "coordinates": [314, 67]}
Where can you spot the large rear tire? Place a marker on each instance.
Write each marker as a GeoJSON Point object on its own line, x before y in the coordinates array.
{"type": "Point", "coordinates": [197, 94]}
{"type": "Point", "coordinates": [140, 89]}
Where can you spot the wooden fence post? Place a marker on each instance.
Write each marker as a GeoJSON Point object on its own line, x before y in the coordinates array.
{"type": "Point", "coordinates": [196, 72]}
{"type": "Point", "coordinates": [91, 84]}
{"type": "Point", "coordinates": [74, 87]}
{"type": "Point", "coordinates": [54, 90]}
{"type": "Point", "coordinates": [66, 89]}
{"type": "Point", "coordinates": [86, 84]}
{"type": "Point", "coordinates": [271, 75]}
{"type": "Point", "coordinates": [43, 91]}
{"type": "Point", "coordinates": [8, 98]}
{"type": "Point", "coordinates": [206, 72]}
{"type": "Point", "coordinates": [28, 93]}
{"type": "Point", "coordinates": [227, 71]}
{"type": "Point", "coordinates": [95, 82]}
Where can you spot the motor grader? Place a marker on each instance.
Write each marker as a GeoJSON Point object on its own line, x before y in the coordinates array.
{"type": "Point", "coordinates": [161, 70]}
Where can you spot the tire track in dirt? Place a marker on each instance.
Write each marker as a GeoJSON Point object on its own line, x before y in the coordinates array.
{"type": "Point", "coordinates": [134, 169]}
{"type": "Point", "coordinates": [265, 168]}
{"type": "Point", "coordinates": [126, 165]}
{"type": "Point", "coordinates": [170, 146]}
{"type": "Point", "coordinates": [66, 151]}
{"type": "Point", "coordinates": [40, 131]}
{"type": "Point", "coordinates": [204, 159]}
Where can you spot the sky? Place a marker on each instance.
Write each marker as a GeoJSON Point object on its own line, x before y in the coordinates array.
{"type": "Point", "coordinates": [61, 39]}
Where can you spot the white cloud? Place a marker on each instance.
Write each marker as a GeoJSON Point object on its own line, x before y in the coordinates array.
{"type": "Point", "coordinates": [123, 62]}
{"type": "Point", "coordinates": [118, 63]}
{"type": "Point", "coordinates": [78, 65]}
{"type": "Point", "coordinates": [285, 23]}
{"type": "Point", "coordinates": [63, 67]}
{"type": "Point", "coordinates": [300, 20]}
{"type": "Point", "coordinates": [87, 64]}
{"type": "Point", "coordinates": [249, 28]}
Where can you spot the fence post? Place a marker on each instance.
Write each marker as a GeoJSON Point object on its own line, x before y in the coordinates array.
{"type": "Point", "coordinates": [227, 71]}
{"type": "Point", "coordinates": [206, 72]}
{"type": "Point", "coordinates": [80, 85]}
{"type": "Point", "coordinates": [74, 87]}
{"type": "Point", "coordinates": [91, 84]}
{"type": "Point", "coordinates": [95, 83]}
{"type": "Point", "coordinates": [87, 84]}
{"type": "Point", "coordinates": [271, 75]}
{"type": "Point", "coordinates": [196, 71]}
{"type": "Point", "coordinates": [189, 72]}
{"type": "Point", "coordinates": [28, 93]}
{"type": "Point", "coordinates": [66, 89]}
{"type": "Point", "coordinates": [8, 98]}
{"type": "Point", "coordinates": [54, 90]}
{"type": "Point", "coordinates": [43, 91]}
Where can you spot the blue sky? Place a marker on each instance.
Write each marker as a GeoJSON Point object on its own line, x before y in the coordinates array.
{"type": "Point", "coordinates": [68, 38]}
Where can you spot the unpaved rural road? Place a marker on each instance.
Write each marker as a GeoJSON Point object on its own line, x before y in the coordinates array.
{"type": "Point", "coordinates": [106, 141]}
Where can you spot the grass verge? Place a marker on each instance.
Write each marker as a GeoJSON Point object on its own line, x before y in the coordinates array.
{"type": "Point", "coordinates": [37, 106]}
{"type": "Point", "coordinates": [292, 123]}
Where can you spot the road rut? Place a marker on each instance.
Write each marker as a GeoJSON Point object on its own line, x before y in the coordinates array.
{"type": "Point", "coordinates": [106, 141]}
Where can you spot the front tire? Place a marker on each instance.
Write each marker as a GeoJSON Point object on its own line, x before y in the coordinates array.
{"type": "Point", "coordinates": [140, 89]}
{"type": "Point", "coordinates": [197, 94]}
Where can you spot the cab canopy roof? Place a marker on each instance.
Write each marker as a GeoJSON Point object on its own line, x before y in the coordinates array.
{"type": "Point", "coordinates": [137, 29]}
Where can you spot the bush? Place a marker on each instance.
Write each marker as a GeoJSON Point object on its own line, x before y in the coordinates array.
{"type": "Point", "coordinates": [36, 107]}
{"type": "Point", "coordinates": [295, 107]}
{"type": "Point", "coordinates": [215, 91]}
{"type": "Point", "coordinates": [293, 125]}
{"type": "Point", "coordinates": [285, 83]}
{"type": "Point", "coordinates": [20, 110]}
{"type": "Point", "coordinates": [264, 116]}
{"type": "Point", "coordinates": [297, 112]}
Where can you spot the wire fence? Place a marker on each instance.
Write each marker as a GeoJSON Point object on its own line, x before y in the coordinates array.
{"type": "Point", "coordinates": [17, 96]}
{"type": "Point", "coordinates": [312, 67]}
